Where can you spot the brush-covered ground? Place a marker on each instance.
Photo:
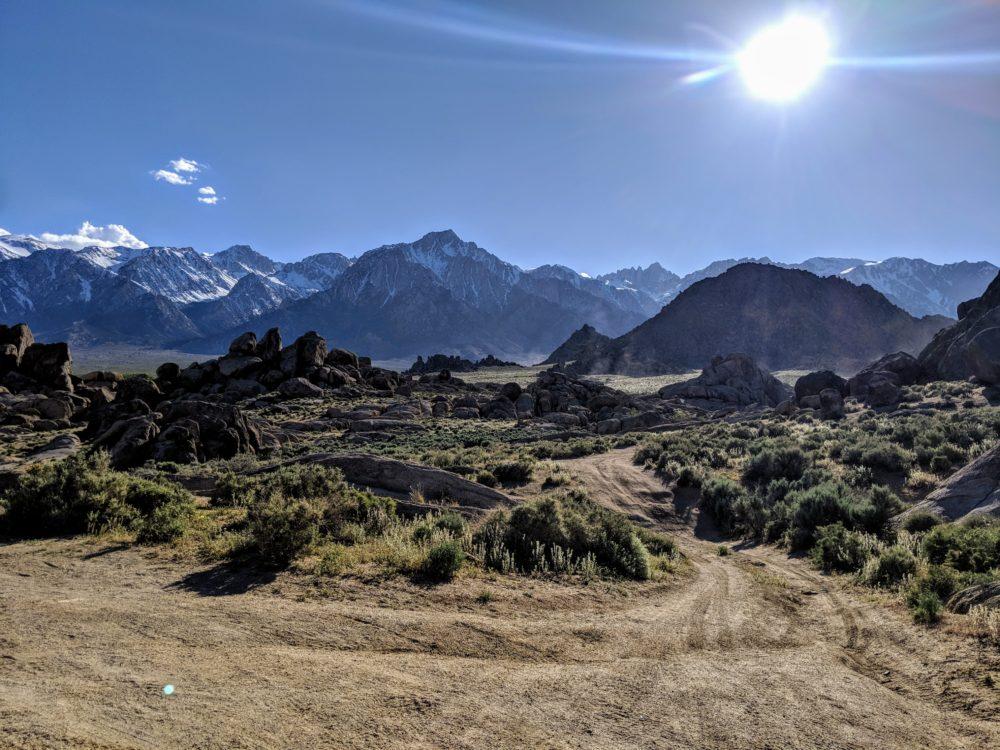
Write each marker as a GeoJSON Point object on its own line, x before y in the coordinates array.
{"type": "Point", "coordinates": [734, 583]}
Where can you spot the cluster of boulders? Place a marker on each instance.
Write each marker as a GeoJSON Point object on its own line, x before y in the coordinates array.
{"type": "Point", "coordinates": [733, 381]}
{"type": "Point", "coordinates": [436, 363]}
{"type": "Point", "coordinates": [253, 367]}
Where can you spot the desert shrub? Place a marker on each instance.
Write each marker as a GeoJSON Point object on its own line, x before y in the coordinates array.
{"type": "Point", "coordinates": [721, 495]}
{"type": "Point", "coordinates": [443, 561]}
{"type": "Point", "coordinates": [925, 607]}
{"type": "Point", "coordinates": [783, 462]}
{"type": "Point", "coordinates": [940, 464]}
{"type": "Point", "coordinates": [487, 478]}
{"type": "Point", "coordinates": [970, 548]}
{"type": "Point", "coordinates": [561, 534]}
{"type": "Point", "coordinates": [890, 568]}
{"type": "Point", "coordinates": [840, 550]}
{"type": "Point", "coordinates": [147, 496]}
{"type": "Point", "coordinates": [451, 523]}
{"type": "Point", "coordinates": [82, 494]}
{"type": "Point", "coordinates": [657, 543]}
{"type": "Point", "coordinates": [873, 513]}
{"type": "Point", "coordinates": [514, 472]}
{"type": "Point", "coordinates": [166, 522]}
{"type": "Point", "coordinates": [877, 455]}
{"type": "Point", "coordinates": [822, 505]}
{"type": "Point", "coordinates": [920, 521]}
{"type": "Point", "coordinates": [939, 580]}
{"type": "Point", "coordinates": [689, 476]}
{"type": "Point", "coordinates": [283, 527]}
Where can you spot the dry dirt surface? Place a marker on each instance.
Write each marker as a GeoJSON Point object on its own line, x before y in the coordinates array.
{"type": "Point", "coordinates": [750, 650]}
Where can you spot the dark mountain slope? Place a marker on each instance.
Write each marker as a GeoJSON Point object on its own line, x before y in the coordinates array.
{"type": "Point", "coordinates": [781, 318]}
{"type": "Point", "coordinates": [585, 342]}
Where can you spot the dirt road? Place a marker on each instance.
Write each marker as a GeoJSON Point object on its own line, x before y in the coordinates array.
{"type": "Point", "coordinates": [748, 651]}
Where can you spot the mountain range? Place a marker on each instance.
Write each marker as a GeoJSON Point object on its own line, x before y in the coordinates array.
{"type": "Point", "coordinates": [783, 318]}
{"type": "Point", "coordinates": [439, 293]}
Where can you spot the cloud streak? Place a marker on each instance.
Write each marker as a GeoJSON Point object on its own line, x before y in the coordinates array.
{"type": "Point", "coordinates": [172, 178]}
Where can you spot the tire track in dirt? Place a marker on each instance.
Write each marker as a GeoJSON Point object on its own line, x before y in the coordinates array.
{"type": "Point", "coordinates": [867, 638]}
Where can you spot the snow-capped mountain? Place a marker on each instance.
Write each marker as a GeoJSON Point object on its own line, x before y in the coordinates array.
{"type": "Point", "coordinates": [445, 294]}
{"type": "Point", "coordinates": [253, 295]}
{"type": "Point", "coordinates": [313, 273]}
{"type": "Point", "coordinates": [918, 286]}
{"type": "Point", "coordinates": [239, 260]}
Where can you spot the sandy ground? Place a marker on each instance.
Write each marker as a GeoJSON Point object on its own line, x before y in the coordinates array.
{"type": "Point", "coordinates": [750, 650]}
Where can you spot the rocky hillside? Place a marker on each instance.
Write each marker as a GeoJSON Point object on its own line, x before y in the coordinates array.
{"type": "Point", "coordinates": [971, 347]}
{"type": "Point", "coordinates": [582, 343]}
{"type": "Point", "coordinates": [919, 287]}
{"type": "Point", "coordinates": [782, 318]}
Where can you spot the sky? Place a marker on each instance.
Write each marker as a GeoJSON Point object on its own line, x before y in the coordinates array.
{"type": "Point", "coordinates": [547, 131]}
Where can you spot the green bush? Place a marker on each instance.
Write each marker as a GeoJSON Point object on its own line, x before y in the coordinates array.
{"type": "Point", "coordinates": [838, 549]}
{"type": "Point", "coordinates": [721, 495]}
{"type": "Point", "coordinates": [785, 462]}
{"type": "Point", "coordinates": [83, 494]}
{"type": "Point", "coordinates": [443, 561]}
{"type": "Point", "coordinates": [925, 608]}
{"type": "Point", "coordinates": [969, 548]}
{"type": "Point", "coordinates": [487, 478]}
{"type": "Point", "coordinates": [514, 472]}
{"type": "Point", "coordinates": [822, 505]}
{"type": "Point", "coordinates": [284, 527]}
{"type": "Point", "coordinates": [556, 533]}
{"type": "Point", "coordinates": [657, 543]}
{"type": "Point", "coordinates": [920, 521]}
{"type": "Point", "coordinates": [165, 523]}
{"type": "Point", "coordinates": [891, 567]}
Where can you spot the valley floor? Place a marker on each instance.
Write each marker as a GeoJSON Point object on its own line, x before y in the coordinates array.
{"type": "Point", "coordinates": [747, 650]}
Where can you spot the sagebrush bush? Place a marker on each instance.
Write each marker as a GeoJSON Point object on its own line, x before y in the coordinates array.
{"type": "Point", "coordinates": [783, 462]}
{"type": "Point", "coordinates": [890, 568]}
{"type": "Point", "coordinates": [971, 548]}
{"type": "Point", "coordinates": [443, 561]}
{"type": "Point", "coordinates": [561, 534]}
{"type": "Point", "coordinates": [83, 494]}
{"type": "Point", "coordinates": [284, 527]}
{"type": "Point", "coordinates": [514, 472]}
{"type": "Point", "coordinates": [920, 522]}
{"type": "Point", "coordinates": [840, 550]}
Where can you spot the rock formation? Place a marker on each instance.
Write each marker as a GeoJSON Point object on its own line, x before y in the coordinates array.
{"type": "Point", "coordinates": [731, 381]}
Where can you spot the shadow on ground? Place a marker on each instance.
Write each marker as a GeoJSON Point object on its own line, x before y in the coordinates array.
{"type": "Point", "coordinates": [225, 579]}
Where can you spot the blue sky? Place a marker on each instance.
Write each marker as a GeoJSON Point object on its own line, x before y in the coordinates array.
{"type": "Point", "coordinates": [544, 131]}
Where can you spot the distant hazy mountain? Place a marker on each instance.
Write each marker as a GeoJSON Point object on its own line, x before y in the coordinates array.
{"type": "Point", "coordinates": [783, 318]}
{"type": "Point", "coordinates": [919, 287]}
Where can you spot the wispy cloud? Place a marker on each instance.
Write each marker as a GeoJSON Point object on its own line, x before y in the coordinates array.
{"type": "Point", "coordinates": [171, 177]}
{"type": "Point", "coordinates": [185, 165]}
{"type": "Point", "coordinates": [88, 235]}
{"type": "Point", "coordinates": [208, 195]}
{"type": "Point", "coordinates": [3, 232]}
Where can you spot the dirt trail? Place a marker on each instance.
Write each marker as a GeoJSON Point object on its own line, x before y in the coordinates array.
{"type": "Point", "coordinates": [747, 651]}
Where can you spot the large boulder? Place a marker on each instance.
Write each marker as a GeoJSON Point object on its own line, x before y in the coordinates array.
{"type": "Point", "coordinates": [972, 490]}
{"type": "Point", "coordinates": [814, 382]}
{"type": "Point", "coordinates": [49, 365]}
{"type": "Point", "coordinates": [244, 345]}
{"type": "Point", "coordinates": [734, 380]}
{"type": "Point", "coordinates": [952, 353]}
{"type": "Point", "coordinates": [14, 341]}
{"type": "Point", "coordinates": [299, 388]}
{"type": "Point", "coordinates": [880, 383]}
{"type": "Point", "coordinates": [269, 347]}
{"type": "Point", "coordinates": [981, 595]}
{"type": "Point", "coordinates": [831, 403]}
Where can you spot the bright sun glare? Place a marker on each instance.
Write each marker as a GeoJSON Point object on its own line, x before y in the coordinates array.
{"type": "Point", "coordinates": [782, 61]}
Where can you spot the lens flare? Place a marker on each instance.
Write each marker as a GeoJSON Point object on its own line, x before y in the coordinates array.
{"type": "Point", "coordinates": [785, 60]}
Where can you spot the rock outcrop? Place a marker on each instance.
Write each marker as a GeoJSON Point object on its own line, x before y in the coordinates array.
{"type": "Point", "coordinates": [26, 365]}
{"type": "Point", "coordinates": [881, 382]}
{"type": "Point", "coordinates": [731, 381]}
{"type": "Point", "coordinates": [583, 343]}
{"type": "Point", "coordinates": [981, 595]}
{"type": "Point", "coordinates": [972, 490]}
{"type": "Point", "coordinates": [971, 347]}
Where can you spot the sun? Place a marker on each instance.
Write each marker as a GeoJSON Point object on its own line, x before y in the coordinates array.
{"type": "Point", "coordinates": [783, 61]}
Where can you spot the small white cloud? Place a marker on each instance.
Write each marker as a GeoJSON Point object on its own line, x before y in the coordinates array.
{"type": "Point", "coordinates": [88, 235]}
{"type": "Point", "coordinates": [3, 232]}
{"type": "Point", "coordinates": [207, 190]}
{"type": "Point", "coordinates": [209, 200]}
{"type": "Point", "coordinates": [185, 165]}
{"type": "Point", "coordinates": [171, 177]}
